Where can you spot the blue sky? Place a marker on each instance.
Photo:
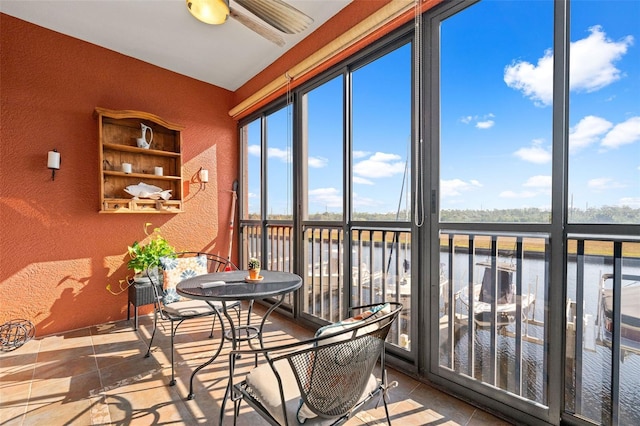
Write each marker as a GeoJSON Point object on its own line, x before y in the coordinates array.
{"type": "Point", "coordinates": [495, 117]}
{"type": "Point", "coordinates": [496, 105]}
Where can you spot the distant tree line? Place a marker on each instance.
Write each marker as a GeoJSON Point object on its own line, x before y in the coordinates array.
{"type": "Point", "coordinates": [604, 214]}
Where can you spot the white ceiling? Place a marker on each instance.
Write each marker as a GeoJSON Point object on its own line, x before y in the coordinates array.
{"type": "Point", "coordinates": [163, 33]}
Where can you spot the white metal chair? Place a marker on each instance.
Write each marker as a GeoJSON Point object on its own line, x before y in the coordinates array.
{"type": "Point", "coordinates": [321, 381]}
{"type": "Point", "coordinates": [176, 309]}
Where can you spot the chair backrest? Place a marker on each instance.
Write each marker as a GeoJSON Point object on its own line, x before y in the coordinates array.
{"type": "Point", "coordinates": [333, 374]}
{"type": "Point", "coordinates": [180, 266]}
{"type": "Point", "coordinates": [215, 263]}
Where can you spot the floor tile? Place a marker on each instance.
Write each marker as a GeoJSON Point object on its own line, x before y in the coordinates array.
{"type": "Point", "coordinates": [99, 375]}
{"type": "Point", "coordinates": [15, 399]}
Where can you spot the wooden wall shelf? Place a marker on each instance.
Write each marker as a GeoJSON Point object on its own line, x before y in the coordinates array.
{"type": "Point", "coordinates": [126, 148]}
{"type": "Point", "coordinates": [117, 131]}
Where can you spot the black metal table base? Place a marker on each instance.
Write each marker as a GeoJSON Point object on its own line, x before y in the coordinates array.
{"type": "Point", "coordinates": [234, 342]}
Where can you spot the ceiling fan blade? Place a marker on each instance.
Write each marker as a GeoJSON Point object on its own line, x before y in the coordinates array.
{"type": "Point", "coordinates": [265, 32]}
{"type": "Point", "coordinates": [278, 14]}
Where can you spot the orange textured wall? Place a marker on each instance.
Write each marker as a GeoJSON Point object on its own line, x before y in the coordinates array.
{"type": "Point", "coordinates": [57, 253]}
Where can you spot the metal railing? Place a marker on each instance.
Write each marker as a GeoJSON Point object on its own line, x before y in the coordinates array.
{"type": "Point", "coordinates": [603, 323]}
{"type": "Point", "coordinates": [492, 309]}
{"type": "Point", "coordinates": [375, 268]}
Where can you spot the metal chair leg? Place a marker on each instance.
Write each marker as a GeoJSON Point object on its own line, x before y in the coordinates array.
{"type": "Point", "coordinates": [155, 326]}
{"type": "Point", "coordinates": [386, 411]}
{"type": "Point", "coordinates": [236, 410]}
{"type": "Point", "coordinates": [173, 380]}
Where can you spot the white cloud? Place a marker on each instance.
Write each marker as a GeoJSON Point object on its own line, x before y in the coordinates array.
{"type": "Point", "coordinates": [330, 197]}
{"type": "Point", "coordinates": [622, 134]}
{"type": "Point", "coordinates": [534, 81]}
{"type": "Point", "coordinates": [455, 187]}
{"type": "Point", "coordinates": [364, 202]}
{"type": "Point", "coordinates": [282, 154]}
{"type": "Point", "coordinates": [360, 154]}
{"type": "Point", "coordinates": [362, 181]}
{"type": "Point", "coordinates": [540, 184]}
{"type": "Point", "coordinates": [540, 181]}
{"type": "Point", "coordinates": [534, 154]}
{"type": "Point", "coordinates": [603, 184]}
{"type": "Point", "coordinates": [592, 60]}
{"type": "Point", "coordinates": [513, 194]}
{"type": "Point", "coordinates": [485, 124]}
{"type": "Point", "coordinates": [587, 132]}
{"type": "Point", "coordinates": [254, 150]}
{"type": "Point", "coordinates": [379, 165]}
{"type": "Point", "coordinates": [592, 68]}
{"type": "Point", "coordinates": [318, 162]}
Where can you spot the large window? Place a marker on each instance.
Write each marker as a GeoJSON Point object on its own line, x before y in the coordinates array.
{"type": "Point", "coordinates": [495, 166]}
{"type": "Point", "coordinates": [279, 164]}
{"type": "Point", "coordinates": [529, 135]}
{"type": "Point", "coordinates": [253, 167]}
{"type": "Point", "coordinates": [381, 148]}
{"type": "Point", "coordinates": [602, 358]}
{"type": "Point", "coordinates": [347, 263]}
{"type": "Point", "coordinates": [495, 113]}
{"type": "Point", "coordinates": [323, 138]}
{"type": "Point", "coordinates": [323, 143]}
{"type": "Point", "coordinates": [604, 134]}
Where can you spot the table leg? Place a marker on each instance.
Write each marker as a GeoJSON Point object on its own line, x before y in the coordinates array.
{"type": "Point", "coordinates": [215, 355]}
{"type": "Point", "coordinates": [266, 315]}
{"type": "Point", "coordinates": [233, 335]}
{"type": "Point", "coordinates": [233, 346]}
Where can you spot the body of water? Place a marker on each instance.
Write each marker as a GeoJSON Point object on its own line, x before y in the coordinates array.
{"type": "Point", "coordinates": [588, 391]}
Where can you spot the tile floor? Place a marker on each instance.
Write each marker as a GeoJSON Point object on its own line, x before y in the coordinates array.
{"type": "Point", "coordinates": [99, 376]}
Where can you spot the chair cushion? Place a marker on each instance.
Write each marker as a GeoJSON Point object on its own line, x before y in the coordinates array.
{"type": "Point", "coordinates": [178, 269]}
{"type": "Point", "coordinates": [188, 307]}
{"type": "Point", "coordinates": [366, 316]}
{"type": "Point", "coordinates": [264, 385]}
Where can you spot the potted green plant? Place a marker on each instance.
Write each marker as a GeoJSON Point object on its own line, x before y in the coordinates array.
{"type": "Point", "coordinates": [144, 256]}
{"type": "Point", "coordinates": [254, 268]}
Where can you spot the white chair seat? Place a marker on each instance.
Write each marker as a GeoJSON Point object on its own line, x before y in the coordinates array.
{"type": "Point", "coordinates": [188, 307]}
{"type": "Point", "coordinates": [264, 385]}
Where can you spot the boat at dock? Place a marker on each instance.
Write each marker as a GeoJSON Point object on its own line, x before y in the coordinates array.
{"type": "Point", "coordinates": [629, 312]}
{"type": "Point", "coordinates": [502, 300]}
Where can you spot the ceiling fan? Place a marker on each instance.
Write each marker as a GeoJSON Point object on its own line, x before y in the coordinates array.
{"type": "Point", "coordinates": [278, 14]}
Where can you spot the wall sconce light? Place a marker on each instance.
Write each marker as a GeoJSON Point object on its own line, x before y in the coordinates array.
{"type": "Point", "coordinates": [203, 175]}
{"type": "Point", "coordinates": [53, 162]}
